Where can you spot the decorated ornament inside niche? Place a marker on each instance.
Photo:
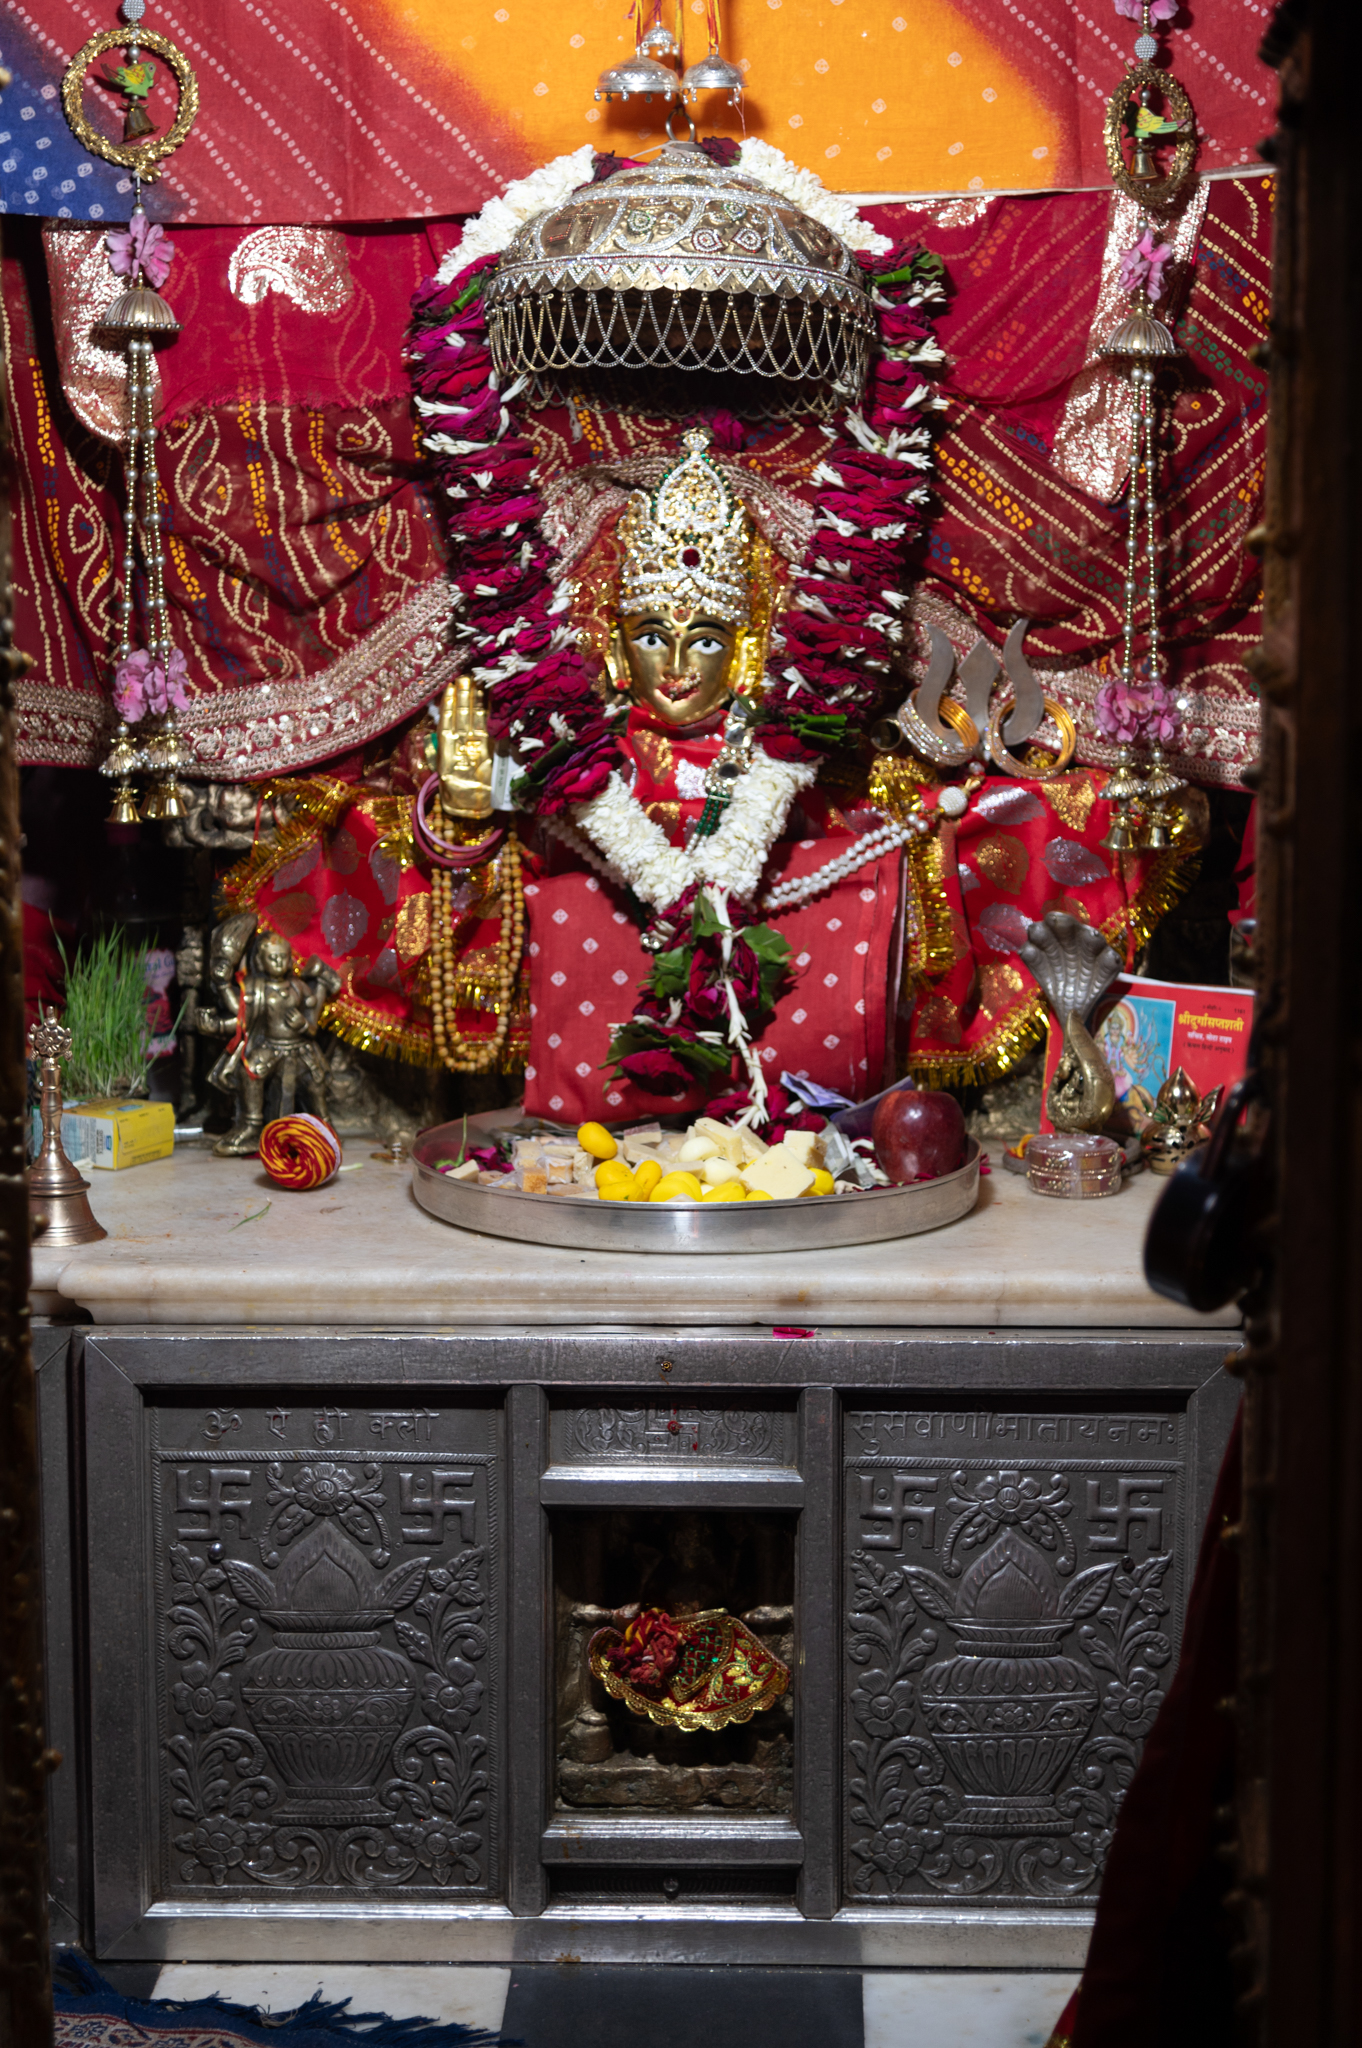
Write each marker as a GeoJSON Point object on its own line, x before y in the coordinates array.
{"type": "Point", "coordinates": [694, 1673]}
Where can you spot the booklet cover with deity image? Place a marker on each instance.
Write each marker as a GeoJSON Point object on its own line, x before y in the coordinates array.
{"type": "Point", "coordinates": [1148, 1029]}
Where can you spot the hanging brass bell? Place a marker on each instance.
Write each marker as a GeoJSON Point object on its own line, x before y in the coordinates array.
{"type": "Point", "coordinates": [124, 810]}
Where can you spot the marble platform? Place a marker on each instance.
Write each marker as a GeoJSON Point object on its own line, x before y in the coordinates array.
{"type": "Point", "coordinates": [198, 1240]}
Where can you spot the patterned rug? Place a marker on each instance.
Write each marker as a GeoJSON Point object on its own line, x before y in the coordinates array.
{"type": "Point", "coordinates": [91, 2014]}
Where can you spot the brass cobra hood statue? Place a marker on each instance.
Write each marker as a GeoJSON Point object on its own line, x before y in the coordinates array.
{"type": "Point", "coordinates": [1075, 967]}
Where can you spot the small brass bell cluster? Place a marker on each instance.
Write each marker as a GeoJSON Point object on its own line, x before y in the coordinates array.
{"type": "Point", "coordinates": [138, 323]}
{"type": "Point", "coordinates": [155, 754]}
{"type": "Point", "coordinates": [1143, 796]}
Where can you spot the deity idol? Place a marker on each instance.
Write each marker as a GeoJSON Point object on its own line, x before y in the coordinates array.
{"type": "Point", "coordinates": [709, 842]}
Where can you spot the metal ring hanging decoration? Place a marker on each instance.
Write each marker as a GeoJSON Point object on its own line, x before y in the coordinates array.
{"type": "Point", "coordinates": [449, 853]}
{"type": "Point", "coordinates": [146, 155]}
{"type": "Point", "coordinates": [1023, 770]}
{"type": "Point", "coordinates": [1159, 195]}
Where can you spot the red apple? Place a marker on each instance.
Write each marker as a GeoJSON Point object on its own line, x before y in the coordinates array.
{"type": "Point", "coordinates": [919, 1134]}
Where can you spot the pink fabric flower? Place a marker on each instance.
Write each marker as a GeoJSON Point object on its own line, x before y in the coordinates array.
{"type": "Point", "coordinates": [1145, 710]}
{"type": "Point", "coordinates": [1144, 265]}
{"type": "Point", "coordinates": [1160, 10]}
{"type": "Point", "coordinates": [141, 245]}
{"type": "Point", "coordinates": [142, 688]}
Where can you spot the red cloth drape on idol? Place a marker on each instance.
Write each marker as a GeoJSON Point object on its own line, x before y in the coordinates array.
{"type": "Point", "coordinates": [335, 558]}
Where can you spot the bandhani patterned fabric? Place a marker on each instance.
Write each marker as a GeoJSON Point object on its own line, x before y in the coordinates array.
{"type": "Point", "coordinates": [1022, 848]}
{"type": "Point", "coordinates": [303, 575]}
{"type": "Point", "coordinates": [587, 961]}
{"type": "Point", "coordinates": [313, 112]}
{"type": "Point", "coordinates": [688, 1672]}
{"type": "Point", "coordinates": [1016, 536]}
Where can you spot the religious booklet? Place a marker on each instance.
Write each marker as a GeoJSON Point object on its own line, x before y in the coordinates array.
{"type": "Point", "coordinates": [1148, 1029]}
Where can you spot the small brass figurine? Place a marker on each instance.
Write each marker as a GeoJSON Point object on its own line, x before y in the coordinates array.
{"type": "Point", "coordinates": [1181, 1121]}
{"type": "Point", "coordinates": [1075, 967]}
{"type": "Point", "coordinates": [269, 1014]}
{"type": "Point", "coordinates": [58, 1196]}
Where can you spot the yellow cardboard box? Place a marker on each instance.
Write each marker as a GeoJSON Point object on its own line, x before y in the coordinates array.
{"type": "Point", "coordinates": [114, 1134]}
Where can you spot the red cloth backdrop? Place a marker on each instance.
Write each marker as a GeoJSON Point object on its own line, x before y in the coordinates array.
{"type": "Point", "coordinates": [303, 570]}
{"type": "Point", "coordinates": [370, 111]}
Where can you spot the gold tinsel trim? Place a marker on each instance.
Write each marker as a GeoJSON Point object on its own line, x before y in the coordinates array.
{"type": "Point", "coordinates": [317, 803]}
{"type": "Point", "coordinates": [933, 950]}
{"type": "Point", "coordinates": [367, 1033]}
{"type": "Point", "coordinates": [993, 1057]}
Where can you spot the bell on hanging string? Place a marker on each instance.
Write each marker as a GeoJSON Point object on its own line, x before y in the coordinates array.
{"type": "Point", "coordinates": [658, 42]}
{"type": "Point", "coordinates": [1156, 834]}
{"type": "Point", "coordinates": [713, 74]}
{"type": "Point", "coordinates": [137, 314]}
{"type": "Point", "coordinates": [1120, 835]}
{"type": "Point", "coordinates": [121, 759]}
{"type": "Point", "coordinates": [638, 76]}
{"type": "Point", "coordinates": [1141, 336]}
{"type": "Point", "coordinates": [171, 805]}
{"type": "Point", "coordinates": [1124, 788]}
{"type": "Point", "coordinates": [124, 810]}
{"type": "Point", "coordinates": [153, 805]}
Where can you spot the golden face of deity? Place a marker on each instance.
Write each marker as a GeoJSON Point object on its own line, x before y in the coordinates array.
{"type": "Point", "coordinates": [678, 662]}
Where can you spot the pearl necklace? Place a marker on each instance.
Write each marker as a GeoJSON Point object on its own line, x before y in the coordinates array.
{"type": "Point", "coordinates": [869, 847]}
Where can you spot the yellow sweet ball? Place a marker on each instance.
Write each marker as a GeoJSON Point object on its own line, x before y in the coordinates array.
{"type": "Point", "coordinates": [611, 1169]}
{"type": "Point", "coordinates": [759, 1195]}
{"type": "Point", "coordinates": [727, 1191]}
{"type": "Point", "coordinates": [647, 1173]}
{"type": "Point", "coordinates": [672, 1184]}
{"type": "Point", "coordinates": [620, 1188]}
{"type": "Point", "coordinates": [823, 1182]}
{"type": "Point", "coordinates": [595, 1139]}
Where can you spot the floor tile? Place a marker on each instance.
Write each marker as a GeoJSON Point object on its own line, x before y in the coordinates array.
{"type": "Point", "coordinates": [437, 1991]}
{"type": "Point", "coordinates": [572, 2006]}
{"type": "Point", "coordinates": [963, 2008]}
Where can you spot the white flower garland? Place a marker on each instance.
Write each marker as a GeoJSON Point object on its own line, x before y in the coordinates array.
{"type": "Point", "coordinates": [501, 219]}
{"type": "Point", "coordinates": [731, 858]}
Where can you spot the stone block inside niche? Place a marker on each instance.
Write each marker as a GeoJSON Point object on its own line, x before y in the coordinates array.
{"type": "Point", "coordinates": [327, 1618]}
{"type": "Point", "coordinates": [1014, 1590]}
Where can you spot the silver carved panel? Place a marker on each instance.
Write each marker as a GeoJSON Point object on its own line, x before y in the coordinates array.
{"type": "Point", "coordinates": [326, 1645]}
{"type": "Point", "coordinates": [1011, 1579]}
{"type": "Point", "coordinates": [676, 1432]}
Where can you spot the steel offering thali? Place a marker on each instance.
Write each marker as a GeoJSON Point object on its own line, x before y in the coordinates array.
{"type": "Point", "coordinates": [811, 1224]}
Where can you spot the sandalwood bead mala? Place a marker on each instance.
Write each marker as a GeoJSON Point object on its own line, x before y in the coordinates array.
{"type": "Point", "coordinates": [475, 1055]}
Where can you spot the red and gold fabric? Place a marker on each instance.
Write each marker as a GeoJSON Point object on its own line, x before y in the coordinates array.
{"type": "Point", "coordinates": [305, 581]}
{"type": "Point", "coordinates": [708, 1669]}
{"type": "Point", "coordinates": [587, 963]}
{"type": "Point", "coordinates": [1020, 850]}
{"type": "Point", "coordinates": [343, 882]}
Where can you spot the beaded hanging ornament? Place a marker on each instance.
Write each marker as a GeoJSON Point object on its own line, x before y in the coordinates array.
{"type": "Point", "coordinates": [149, 683]}
{"type": "Point", "coordinates": [1148, 112]}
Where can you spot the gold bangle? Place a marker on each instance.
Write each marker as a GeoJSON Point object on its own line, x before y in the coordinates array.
{"type": "Point", "coordinates": [143, 156]}
{"type": "Point", "coordinates": [1024, 770]}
